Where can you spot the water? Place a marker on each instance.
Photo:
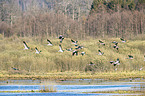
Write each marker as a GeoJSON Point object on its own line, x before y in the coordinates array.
{"type": "Point", "coordinates": [56, 94]}
{"type": "Point", "coordinates": [75, 87]}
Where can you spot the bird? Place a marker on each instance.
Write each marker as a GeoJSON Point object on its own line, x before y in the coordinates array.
{"type": "Point", "coordinates": [37, 51]}
{"type": "Point", "coordinates": [75, 52]}
{"type": "Point", "coordinates": [115, 69]}
{"type": "Point", "coordinates": [115, 46]}
{"type": "Point", "coordinates": [69, 49]}
{"type": "Point", "coordinates": [74, 42]}
{"type": "Point", "coordinates": [49, 42]}
{"type": "Point", "coordinates": [26, 46]}
{"type": "Point", "coordinates": [83, 53]}
{"type": "Point", "coordinates": [100, 53]}
{"type": "Point", "coordinates": [114, 63]}
{"type": "Point", "coordinates": [114, 42]}
{"type": "Point", "coordinates": [91, 63]}
{"type": "Point", "coordinates": [60, 48]}
{"type": "Point", "coordinates": [61, 38]}
{"type": "Point", "coordinates": [101, 42]}
{"type": "Point", "coordinates": [130, 57]}
{"type": "Point", "coordinates": [14, 68]}
{"type": "Point", "coordinates": [122, 39]}
{"type": "Point", "coordinates": [141, 68]}
{"type": "Point", "coordinates": [79, 47]}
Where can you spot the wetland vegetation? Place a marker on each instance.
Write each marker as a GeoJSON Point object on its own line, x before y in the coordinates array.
{"type": "Point", "coordinates": [91, 65]}
{"type": "Point", "coordinates": [52, 64]}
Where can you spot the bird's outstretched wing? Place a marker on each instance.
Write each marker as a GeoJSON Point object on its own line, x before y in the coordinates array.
{"type": "Point", "coordinates": [49, 42]}
{"type": "Point", "coordinates": [25, 45]}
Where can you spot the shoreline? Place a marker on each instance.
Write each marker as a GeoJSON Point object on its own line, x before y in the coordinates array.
{"type": "Point", "coordinates": [75, 75]}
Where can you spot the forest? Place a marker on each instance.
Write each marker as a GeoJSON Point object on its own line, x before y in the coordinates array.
{"type": "Point", "coordinates": [95, 24]}
{"type": "Point", "coordinates": [72, 18]}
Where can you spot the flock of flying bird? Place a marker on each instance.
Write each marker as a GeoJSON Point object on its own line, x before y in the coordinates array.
{"type": "Point", "coordinates": [76, 51]}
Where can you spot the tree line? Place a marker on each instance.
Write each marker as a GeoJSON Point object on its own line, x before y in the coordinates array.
{"type": "Point", "coordinates": [72, 18]}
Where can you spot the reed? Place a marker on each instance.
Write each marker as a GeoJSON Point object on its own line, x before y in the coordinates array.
{"type": "Point", "coordinates": [50, 60]}
{"type": "Point", "coordinates": [49, 88]}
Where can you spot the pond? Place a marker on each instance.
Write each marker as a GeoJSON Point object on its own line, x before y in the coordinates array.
{"type": "Point", "coordinates": [74, 87]}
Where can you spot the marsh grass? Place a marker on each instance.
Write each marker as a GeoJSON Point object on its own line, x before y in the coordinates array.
{"type": "Point", "coordinates": [49, 88]}
{"type": "Point", "coordinates": [135, 92]}
{"type": "Point", "coordinates": [19, 91]}
{"type": "Point", "coordinates": [76, 75]}
{"type": "Point", "coordinates": [43, 90]}
{"type": "Point", "coordinates": [52, 61]}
